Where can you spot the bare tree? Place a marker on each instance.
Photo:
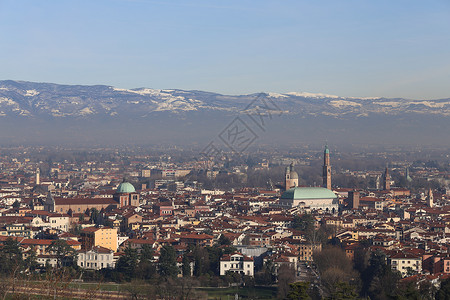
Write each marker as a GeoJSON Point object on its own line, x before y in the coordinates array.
{"type": "Point", "coordinates": [286, 276]}
{"type": "Point", "coordinates": [334, 267]}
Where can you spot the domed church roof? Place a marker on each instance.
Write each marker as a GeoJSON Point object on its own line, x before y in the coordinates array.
{"type": "Point", "coordinates": [299, 193]}
{"type": "Point", "coordinates": [126, 187]}
{"type": "Point", "coordinates": [294, 175]}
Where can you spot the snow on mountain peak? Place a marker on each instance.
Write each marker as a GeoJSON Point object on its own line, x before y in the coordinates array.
{"type": "Point", "coordinates": [311, 95]}
{"type": "Point", "coordinates": [277, 95]}
{"type": "Point", "coordinates": [31, 93]}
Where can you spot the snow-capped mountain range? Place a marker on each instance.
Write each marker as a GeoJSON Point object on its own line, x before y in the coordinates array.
{"type": "Point", "coordinates": [29, 99]}
{"type": "Point", "coordinates": [44, 112]}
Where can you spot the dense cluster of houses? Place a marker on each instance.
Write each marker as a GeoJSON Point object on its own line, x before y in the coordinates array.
{"type": "Point", "coordinates": [101, 215]}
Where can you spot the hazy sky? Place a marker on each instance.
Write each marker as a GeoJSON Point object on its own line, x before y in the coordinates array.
{"type": "Point", "coordinates": [350, 48]}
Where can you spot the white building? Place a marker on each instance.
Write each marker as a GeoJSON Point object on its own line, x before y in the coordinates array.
{"type": "Point", "coordinates": [52, 221]}
{"type": "Point", "coordinates": [403, 262]}
{"type": "Point", "coordinates": [237, 263]}
{"type": "Point", "coordinates": [59, 221]}
{"type": "Point", "coordinates": [97, 258]}
{"type": "Point", "coordinates": [44, 260]}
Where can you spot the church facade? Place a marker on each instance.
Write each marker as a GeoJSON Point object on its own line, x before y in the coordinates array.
{"type": "Point", "coordinates": [125, 195]}
{"type": "Point", "coordinates": [316, 198]}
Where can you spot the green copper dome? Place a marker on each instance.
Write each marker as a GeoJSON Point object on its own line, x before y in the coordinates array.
{"type": "Point", "coordinates": [126, 187]}
{"type": "Point", "coordinates": [300, 193]}
{"type": "Point", "coordinates": [327, 151]}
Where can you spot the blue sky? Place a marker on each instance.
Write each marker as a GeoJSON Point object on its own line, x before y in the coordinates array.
{"type": "Point", "coordinates": [348, 48]}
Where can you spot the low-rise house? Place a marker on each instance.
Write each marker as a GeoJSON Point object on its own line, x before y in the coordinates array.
{"type": "Point", "coordinates": [406, 263]}
{"type": "Point", "coordinates": [97, 258]}
{"type": "Point", "coordinates": [200, 239]}
{"type": "Point", "coordinates": [237, 263]}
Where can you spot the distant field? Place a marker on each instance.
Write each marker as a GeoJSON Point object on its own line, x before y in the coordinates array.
{"type": "Point", "coordinates": [263, 293]}
{"type": "Point", "coordinates": [243, 292]}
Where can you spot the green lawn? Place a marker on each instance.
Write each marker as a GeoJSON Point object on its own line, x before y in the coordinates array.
{"type": "Point", "coordinates": [243, 292]}
{"type": "Point", "coordinates": [100, 286]}
{"type": "Point", "coordinates": [213, 293]}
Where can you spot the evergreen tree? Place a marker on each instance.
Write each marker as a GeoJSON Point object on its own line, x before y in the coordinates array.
{"type": "Point", "coordinates": [343, 291]}
{"type": "Point", "coordinates": [146, 268]}
{"type": "Point", "coordinates": [186, 268]}
{"type": "Point", "coordinates": [94, 216]}
{"type": "Point", "coordinates": [16, 204]}
{"type": "Point", "coordinates": [444, 291]}
{"type": "Point", "coordinates": [10, 256]}
{"type": "Point", "coordinates": [147, 253]}
{"type": "Point", "coordinates": [214, 255]}
{"type": "Point", "coordinates": [168, 262]}
{"type": "Point", "coordinates": [304, 222]}
{"type": "Point", "coordinates": [223, 240]}
{"type": "Point", "coordinates": [201, 261]}
{"type": "Point", "coordinates": [127, 263]}
{"type": "Point", "coordinates": [65, 254]}
{"type": "Point", "coordinates": [299, 291]}
{"type": "Point", "coordinates": [379, 280]}
{"type": "Point", "coordinates": [31, 261]}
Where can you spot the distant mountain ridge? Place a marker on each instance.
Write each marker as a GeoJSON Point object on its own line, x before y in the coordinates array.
{"type": "Point", "coordinates": [100, 112]}
{"type": "Point", "coordinates": [19, 98]}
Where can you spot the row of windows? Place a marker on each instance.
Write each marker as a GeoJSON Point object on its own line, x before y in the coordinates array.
{"type": "Point", "coordinates": [402, 261]}
{"type": "Point", "coordinates": [94, 257]}
{"type": "Point", "coordinates": [79, 209]}
{"type": "Point", "coordinates": [237, 258]}
{"type": "Point", "coordinates": [241, 272]}
{"type": "Point", "coordinates": [403, 268]}
{"type": "Point", "coordinates": [95, 265]}
{"type": "Point", "coordinates": [237, 266]}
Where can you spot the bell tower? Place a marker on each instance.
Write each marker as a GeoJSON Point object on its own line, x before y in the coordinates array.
{"type": "Point", "coordinates": [326, 174]}
{"type": "Point", "coordinates": [291, 177]}
{"type": "Point", "coordinates": [38, 176]}
{"type": "Point", "coordinates": [430, 199]}
{"type": "Point", "coordinates": [386, 180]}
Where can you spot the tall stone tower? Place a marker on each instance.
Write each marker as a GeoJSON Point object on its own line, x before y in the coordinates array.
{"type": "Point", "coordinates": [430, 198]}
{"type": "Point", "coordinates": [38, 176]}
{"type": "Point", "coordinates": [353, 197]}
{"type": "Point", "coordinates": [326, 175]}
{"type": "Point", "coordinates": [407, 177]}
{"type": "Point", "coordinates": [291, 177]}
{"type": "Point", "coordinates": [386, 180]}
{"type": "Point", "coordinates": [49, 203]}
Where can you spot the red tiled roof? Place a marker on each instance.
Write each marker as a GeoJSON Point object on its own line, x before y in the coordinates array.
{"type": "Point", "coordinates": [84, 201]}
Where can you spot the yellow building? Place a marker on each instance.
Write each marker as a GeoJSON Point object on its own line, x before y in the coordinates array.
{"type": "Point", "coordinates": [93, 236]}
{"type": "Point", "coordinates": [306, 251]}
